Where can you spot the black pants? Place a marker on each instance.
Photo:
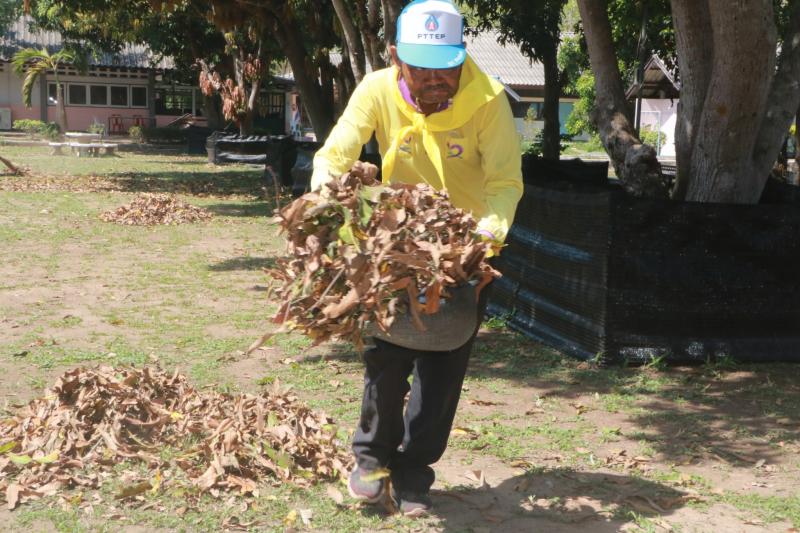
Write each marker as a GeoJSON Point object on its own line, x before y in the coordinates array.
{"type": "Point", "coordinates": [409, 443]}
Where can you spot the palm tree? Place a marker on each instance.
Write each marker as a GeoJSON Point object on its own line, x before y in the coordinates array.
{"type": "Point", "coordinates": [32, 64]}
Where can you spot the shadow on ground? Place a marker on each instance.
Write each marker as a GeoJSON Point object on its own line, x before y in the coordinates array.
{"type": "Point", "coordinates": [195, 183]}
{"type": "Point", "coordinates": [243, 263]}
{"type": "Point", "coordinates": [737, 413]}
{"type": "Point", "coordinates": [553, 501]}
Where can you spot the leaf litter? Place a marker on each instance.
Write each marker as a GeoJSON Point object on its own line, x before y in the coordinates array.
{"type": "Point", "coordinates": [156, 209]}
{"type": "Point", "coordinates": [365, 252]}
{"type": "Point", "coordinates": [94, 419]}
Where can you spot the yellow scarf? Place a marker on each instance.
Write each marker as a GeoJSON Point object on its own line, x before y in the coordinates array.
{"type": "Point", "coordinates": [475, 89]}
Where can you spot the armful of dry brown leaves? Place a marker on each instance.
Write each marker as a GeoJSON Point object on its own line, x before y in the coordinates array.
{"type": "Point", "coordinates": [365, 252]}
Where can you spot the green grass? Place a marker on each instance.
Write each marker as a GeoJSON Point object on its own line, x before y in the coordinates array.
{"type": "Point", "coordinates": [770, 509]}
{"type": "Point", "coordinates": [77, 291]}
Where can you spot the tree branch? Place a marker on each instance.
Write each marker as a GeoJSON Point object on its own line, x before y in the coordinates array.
{"type": "Point", "coordinates": [636, 164]}
{"type": "Point", "coordinates": [16, 170]}
{"type": "Point", "coordinates": [783, 100]}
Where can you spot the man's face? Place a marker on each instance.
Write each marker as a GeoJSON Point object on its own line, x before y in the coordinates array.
{"type": "Point", "coordinates": [429, 86]}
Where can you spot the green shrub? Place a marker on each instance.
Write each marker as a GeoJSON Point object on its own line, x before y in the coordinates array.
{"type": "Point", "coordinates": [164, 135]}
{"type": "Point", "coordinates": [50, 131]}
{"type": "Point", "coordinates": [29, 126]}
{"type": "Point", "coordinates": [34, 128]}
{"type": "Point", "coordinates": [652, 137]}
{"type": "Point", "coordinates": [136, 134]}
{"type": "Point", "coordinates": [534, 149]}
{"type": "Point", "coordinates": [97, 127]}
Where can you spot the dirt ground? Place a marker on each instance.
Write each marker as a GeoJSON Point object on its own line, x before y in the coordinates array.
{"type": "Point", "coordinates": [540, 443]}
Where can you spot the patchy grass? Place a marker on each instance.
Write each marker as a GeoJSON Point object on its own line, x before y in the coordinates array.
{"type": "Point", "coordinates": [77, 291]}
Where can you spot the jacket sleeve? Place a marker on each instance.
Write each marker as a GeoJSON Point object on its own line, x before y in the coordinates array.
{"type": "Point", "coordinates": [501, 162]}
{"type": "Point", "coordinates": [343, 145]}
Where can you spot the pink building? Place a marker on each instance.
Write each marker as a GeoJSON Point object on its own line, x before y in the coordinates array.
{"type": "Point", "coordinates": [118, 90]}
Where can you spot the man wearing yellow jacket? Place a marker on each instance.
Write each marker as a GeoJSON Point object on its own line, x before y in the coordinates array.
{"type": "Point", "coordinates": [440, 120]}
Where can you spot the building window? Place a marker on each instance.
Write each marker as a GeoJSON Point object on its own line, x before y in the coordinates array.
{"type": "Point", "coordinates": [536, 111]}
{"type": "Point", "coordinates": [173, 101]}
{"type": "Point", "coordinates": [77, 94]}
{"type": "Point", "coordinates": [98, 95]}
{"type": "Point", "coordinates": [138, 96]}
{"type": "Point", "coordinates": [119, 95]}
{"type": "Point", "coordinates": [272, 104]}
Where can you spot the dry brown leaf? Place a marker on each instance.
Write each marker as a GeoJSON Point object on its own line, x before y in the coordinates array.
{"type": "Point", "coordinates": [151, 209]}
{"type": "Point", "coordinates": [382, 246]}
{"type": "Point", "coordinates": [93, 419]}
{"type": "Point", "coordinates": [12, 495]}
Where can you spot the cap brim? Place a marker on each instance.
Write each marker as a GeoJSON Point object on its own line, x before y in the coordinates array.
{"type": "Point", "coordinates": [431, 55]}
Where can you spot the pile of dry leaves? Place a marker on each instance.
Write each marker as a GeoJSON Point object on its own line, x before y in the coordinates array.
{"type": "Point", "coordinates": [92, 420]}
{"type": "Point", "coordinates": [152, 209]}
{"type": "Point", "coordinates": [365, 252]}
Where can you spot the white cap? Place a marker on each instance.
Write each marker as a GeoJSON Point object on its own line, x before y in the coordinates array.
{"type": "Point", "coordinates": [430, 34]}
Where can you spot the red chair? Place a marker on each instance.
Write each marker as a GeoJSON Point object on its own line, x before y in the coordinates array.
{"type": "Point", "coordinates": [116, 124]}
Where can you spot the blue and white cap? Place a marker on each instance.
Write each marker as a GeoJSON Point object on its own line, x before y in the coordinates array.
{"type": "Point", "coordinates": [430, 34]}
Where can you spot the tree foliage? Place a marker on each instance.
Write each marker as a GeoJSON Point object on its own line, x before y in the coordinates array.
{"type": "Point", "coordinates": [535, 27]}
{"type": "Point", "coordinates": [32, 64]}
{"type": "Point", "coordinates": [9, 11]}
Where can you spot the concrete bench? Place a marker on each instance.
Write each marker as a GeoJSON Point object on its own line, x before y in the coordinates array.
{"type": "Point", "coordinates": [55, 148]}
{"type": "Point", "coordinates": [92, 149]}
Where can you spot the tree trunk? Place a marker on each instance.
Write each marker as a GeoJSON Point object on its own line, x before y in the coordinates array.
{"type": "Point", "coordinates": [246, 123]}
{"type": "Point", "coordinates": [695, 48]}
{"type": "Point", "coordinates": [61, 111]}
{"type": "Point", "coordinates": [352, 38]}
{"type": "Point", "coordinates": [372, 39]}
{"type": "Point", "coordinates": [744, 40]}
{"type": "Point", "coordinates": [782, 102]}
{"type": "Point", "coordinates": [212, 109]}
{"type": "Point", "coordinates": [391, 10]}
{"type": "Point", "coordinates": [636, 164]}
{"type": "Point", "coordinates": [288, 34]}
{"type": "Point", "coordinates": [551, 136]}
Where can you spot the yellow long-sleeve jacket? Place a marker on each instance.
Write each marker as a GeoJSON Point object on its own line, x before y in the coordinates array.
{"type": "Point", "coordinates": [471, 149]}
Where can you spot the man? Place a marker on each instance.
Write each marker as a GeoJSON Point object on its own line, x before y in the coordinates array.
{"type": "Point", "coordinates": [438, 120]}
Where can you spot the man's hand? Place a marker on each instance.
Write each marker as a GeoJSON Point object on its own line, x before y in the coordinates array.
{"type": "Point", "coordinates": [366, 172]}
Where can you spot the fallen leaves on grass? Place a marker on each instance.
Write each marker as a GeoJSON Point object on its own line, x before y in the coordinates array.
{"type": "Point", "coordinates": [365, 252]}
{"type": "Point", "coordinates": [154, 209]}
{"type": "Point", "coordinates": [92, 420]}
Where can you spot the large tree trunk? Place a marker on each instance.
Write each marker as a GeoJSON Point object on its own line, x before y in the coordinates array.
{"type": "Point", "coordinates": [352, 38]}
{"type": "Point", "coordinates": [782, 102]}
{"type": "Point", "coordinates": [695, 49]}
{"type": "Point", "coordinates": [551, 136]}
{"type": "Point", "coordinates": [636, 164]}
{"type": "Point", "coordinates": [735, 108]}
{"type": "Point", "coordinates": [288, 34]}
{"type": "Point", "coordinates": [744, 40]}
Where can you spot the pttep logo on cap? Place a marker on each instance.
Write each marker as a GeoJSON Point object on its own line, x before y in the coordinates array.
{"type": "Point", "coordinates": [429, 35]}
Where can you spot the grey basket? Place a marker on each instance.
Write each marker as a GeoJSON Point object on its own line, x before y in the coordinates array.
{"type": "Point", "coordinates": [447, 329]}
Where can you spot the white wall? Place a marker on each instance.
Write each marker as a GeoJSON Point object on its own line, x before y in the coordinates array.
{"type": "Point", "coordinates": [662, 115]}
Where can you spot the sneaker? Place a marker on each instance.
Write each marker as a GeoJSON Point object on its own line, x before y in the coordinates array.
{"type": "Point", "coordinates": [412, 504]}
{"type": "Point", "coordinates": [362, 485]}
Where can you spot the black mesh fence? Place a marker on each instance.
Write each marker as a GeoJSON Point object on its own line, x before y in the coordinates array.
{"type": "Point", "coordinates": [599, 274]}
